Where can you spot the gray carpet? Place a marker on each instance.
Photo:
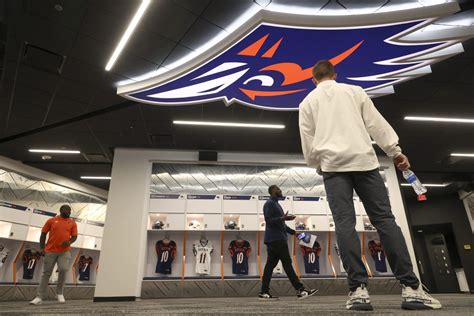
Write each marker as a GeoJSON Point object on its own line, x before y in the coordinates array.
{"type": "Point", "coordinates": [456, 304]}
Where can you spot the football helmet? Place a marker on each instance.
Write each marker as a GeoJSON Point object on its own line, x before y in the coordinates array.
{"type": "Point", "coordinates": [159, 224]}
{"type": "Point", "coordinates": [231, 225]}
{"type": "Point", "coordinates": [194, 224]}
{"type": "Point", "coordinates": [368, 226]}
{"type": "Point", "coordinates": [300, 226]}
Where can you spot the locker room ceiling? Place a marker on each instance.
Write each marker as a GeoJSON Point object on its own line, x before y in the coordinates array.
{"type": "Point", "coordinates": [79, 108]}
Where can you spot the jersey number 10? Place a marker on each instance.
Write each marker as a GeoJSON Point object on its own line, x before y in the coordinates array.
{"type": "Point", "coordinates": [240, 257]}
{"type": "Point", "coordinates": [164, 256]}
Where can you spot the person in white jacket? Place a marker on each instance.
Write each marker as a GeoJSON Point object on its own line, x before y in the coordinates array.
{"type": "Point", "coordinates": [336, 123]}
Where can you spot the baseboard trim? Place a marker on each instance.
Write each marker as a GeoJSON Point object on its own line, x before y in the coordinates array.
{"type": "Point", "coordinates": [115, 299]}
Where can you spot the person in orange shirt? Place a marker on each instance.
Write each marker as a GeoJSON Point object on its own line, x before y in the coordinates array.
{"type": "Point", "coordinates": [62, 232]}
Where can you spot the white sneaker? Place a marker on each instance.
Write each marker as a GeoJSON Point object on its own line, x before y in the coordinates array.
{"type": "Point", "coordinates": [359, 300]}
{"type": "Point", "coordinates": [61, 298]}
{"type": "Point", "coordinates": [36, 301]}
{"type": "Point", "coordinates": [418, 299]}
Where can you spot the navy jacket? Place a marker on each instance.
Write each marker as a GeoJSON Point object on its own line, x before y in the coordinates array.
{"type": "Point", "coordinates": [275, 227]}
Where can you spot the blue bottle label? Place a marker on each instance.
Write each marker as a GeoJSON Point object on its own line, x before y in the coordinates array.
{"type": "Point", "coordinates": [411, 178]}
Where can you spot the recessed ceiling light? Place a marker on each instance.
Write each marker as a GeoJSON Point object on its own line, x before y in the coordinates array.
{"type": "Point", "coordinates": [462, 155]}
{"type": "Point", "coordinates": [434, 185]}
{"type": "Point", "coordinates": [126, 36]}
{"type": "Point", "coordinates": [54, 151]}
{"type": "Point", "coordinates": [96, 177]}
{"type": "Point", "coordinates": [439, 119]}
{"type": "Point", "coordinates": [229, 124]}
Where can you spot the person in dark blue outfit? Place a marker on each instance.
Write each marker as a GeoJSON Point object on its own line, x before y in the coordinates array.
{"type": "Point", "coordinates": [276, 232]}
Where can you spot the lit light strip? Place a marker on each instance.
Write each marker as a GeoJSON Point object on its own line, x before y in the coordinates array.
{"type": "Point", "coordinates": [95, 178]}
{"type": "Point", "coordinates": [54, 151]}
{"type": "Point", "coordinates": [462, 155]}
{"type": "Point", "coordinates": [434, 185]}
{"type": "Point", "coordinates": [439, 119]}
{"type": "Point", "coordinates": [228, 124]}
{"type": "Point", "coordinates": [373, 142]}
{"type": "Point", "coordinates": [126, 36]}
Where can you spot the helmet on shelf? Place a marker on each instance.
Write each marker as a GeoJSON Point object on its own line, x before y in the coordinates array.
{"type": "Point", "coordinates": [369, 226]}
{"type": "Point", "coordinates": [300, 226]}
{"type": "Point", "coordinates": [159, 224]}
{"type": "Point", "coordinates": [194, 224]}
{"type": "Point", "coordinates": [231, 225]}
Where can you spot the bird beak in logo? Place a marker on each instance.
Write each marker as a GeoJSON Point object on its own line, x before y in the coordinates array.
{"type": "Point", "coordinates": [292, 73]}
{"type": "Point", "coordinates": [271, 67]}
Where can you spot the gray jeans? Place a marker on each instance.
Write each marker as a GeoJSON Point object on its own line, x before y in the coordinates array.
{"type": "Point", "coordinates": [371, 189]}
{"type": "Point", "coordinates": [50, 259]}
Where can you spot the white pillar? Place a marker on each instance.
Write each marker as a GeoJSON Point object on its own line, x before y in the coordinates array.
{"type": "Point", "coordinates": [122, 258]}
{"type": "Point", "coordinates": [398, 208]}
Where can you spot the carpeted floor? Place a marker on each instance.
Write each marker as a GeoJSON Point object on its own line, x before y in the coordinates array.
{"type": "Point", "coordinates": [456, 304]}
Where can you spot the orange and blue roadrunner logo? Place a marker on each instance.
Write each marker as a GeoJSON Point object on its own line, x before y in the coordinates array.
{"type": "Point", "coordinates": [271, 66]}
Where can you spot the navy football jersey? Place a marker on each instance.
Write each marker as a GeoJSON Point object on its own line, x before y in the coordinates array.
{"type": "Point", "coordinates": [85, 268]}
{"type": "Point", "coordinates": [311, 258]}
{"type": "Point", "coordinates": [240, 251]}
{"type": "Point", "coordinates": [378, 254]}
{"type": "Point", "coordinates": [30, 259]}
{"type": "Point", "coordinates": [166, 252]}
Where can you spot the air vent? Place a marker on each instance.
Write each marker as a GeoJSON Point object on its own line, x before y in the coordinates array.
{"type": "Point", "coordinates": [162, 140]}
{"type": "Point", "coordinates": [43, 59]}
{"type": "Point", "coordinates": [95, 157]}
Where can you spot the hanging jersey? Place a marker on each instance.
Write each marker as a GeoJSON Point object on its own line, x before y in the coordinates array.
{"type": "Point", "coordinates": [165, 253]}
{"type": "Point", "coordinates": [311, 258]}
{"type": "Point", "coordinates": [203, 250]}
{"type": "Point", "coordinates": [4, 252]}
{"type": "Point", "coordinates": [84, 267]}
{"type": "Point", "coordinates": [378, 254]}
{"type": "Point", "coordinates": [240, 251]}
{"type": "Point", "coordinates": [278, 269]}
{"type": "Point", "coordinates": [30, 259]}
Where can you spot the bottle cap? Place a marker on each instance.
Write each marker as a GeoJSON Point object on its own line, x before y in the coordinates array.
{"type": "Point", "coordinates": [421, 197]}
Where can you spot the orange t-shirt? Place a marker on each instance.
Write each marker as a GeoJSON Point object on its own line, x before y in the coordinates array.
{"type": "Point", "coordinates": [60, 230]}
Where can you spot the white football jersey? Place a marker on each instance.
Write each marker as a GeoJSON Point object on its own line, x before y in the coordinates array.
{"type": "Point", "coordinates": [203, 250]}
{"type": "Point", "coordinates": [3, 255]}
{"type": "Point", "coordinates": [278, 269]}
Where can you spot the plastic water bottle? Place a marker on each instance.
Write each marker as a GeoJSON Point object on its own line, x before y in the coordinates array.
{"type": "Point", "coordinates": [414, 181]}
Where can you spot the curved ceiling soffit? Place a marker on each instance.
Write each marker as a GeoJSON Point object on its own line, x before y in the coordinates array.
{"type": "Point", "coordinates": [266, 62]}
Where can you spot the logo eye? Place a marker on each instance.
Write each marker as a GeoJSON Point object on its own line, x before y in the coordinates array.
{"type": "Point", "coordinates": [265, 80]}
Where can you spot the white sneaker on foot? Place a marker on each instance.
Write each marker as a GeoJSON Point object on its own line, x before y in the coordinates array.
{"type": "Point", "coordinates": [61, 298]}
{"type": "Point", "coordinates": [418, 299]}
{"type": "Point", "coordinates": [36, 301]}
{"type": "Point", "coordinates": [359, 300]}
